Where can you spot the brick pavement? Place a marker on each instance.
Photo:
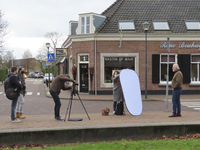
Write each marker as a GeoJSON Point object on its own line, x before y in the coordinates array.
{"type": "Point", "coordinates": [147, 117]}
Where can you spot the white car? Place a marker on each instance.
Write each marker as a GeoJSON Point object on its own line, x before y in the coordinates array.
{"type": "Point", "coordinates": [46, 77]}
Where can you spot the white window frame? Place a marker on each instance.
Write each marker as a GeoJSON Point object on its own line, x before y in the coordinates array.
{"type": "Point", "coordinates": [126, 25]}
{"type": "Point", "coordinates": [196, 23]}
{"type": "Point", "coordinates": [85, 25]}
{"type": "Point", "coordinates": [102, 66]}
{"type": "Point", "coordinates": [197, 69]}
{"type": "Point", "coordinates": [158, 25]}
{"type": "Point", "coordinates": [175, 55]}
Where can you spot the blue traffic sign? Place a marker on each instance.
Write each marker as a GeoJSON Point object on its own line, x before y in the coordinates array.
{"type": "Point", "coordinates": [51, 57]}
{"type": "Point", "coordinates": [44, 64]}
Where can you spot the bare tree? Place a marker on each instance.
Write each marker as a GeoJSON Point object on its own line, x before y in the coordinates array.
{"type": "Point", "coordinates": [42, 57]}
{"type": "Point", "coordinates": [54, 37]}
{"type": "Point", "coordinates": [29, 61]}
{"type": "Point", "coordinates": [3, 32]}
{"type": "Point", "coordinates": [8, 58]}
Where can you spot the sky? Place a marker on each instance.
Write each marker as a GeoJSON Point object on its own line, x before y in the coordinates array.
{"type": "Point", "coordinates": [30, 20]}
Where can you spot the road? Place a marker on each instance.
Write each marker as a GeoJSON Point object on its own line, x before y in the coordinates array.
{"type": "Point", "coordinates": [36, 102]}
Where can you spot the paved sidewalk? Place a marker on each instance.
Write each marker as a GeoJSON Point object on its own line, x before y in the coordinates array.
{"type": "Point", "coordinates": [45, 122]}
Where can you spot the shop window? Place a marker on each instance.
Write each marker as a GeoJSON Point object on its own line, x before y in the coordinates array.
{"type": "Point", "coordinates": [193, 25]}
{"type": "Point", "coordinates": [85, 25]}
{"type": "Point", "coordinates": [158, 25]}
{"type": "Point", "coordinates": [163, 67]}
{"type": "Point", "coordinates": [195, 68]}
{"type": "Point", "coordinates": [126, 25]}
{"type": "Point", "coordinates": [116, 64]}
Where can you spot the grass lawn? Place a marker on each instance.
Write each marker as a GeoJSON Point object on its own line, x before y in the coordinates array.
{"type": "Point", "coordinates": [169, 144]}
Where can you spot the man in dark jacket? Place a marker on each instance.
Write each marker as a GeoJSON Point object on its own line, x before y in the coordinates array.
{"type": "Point", "coordinates": [14, 83]}
{"type": "Point", "coordinates": [177, 82]}
{"type": "Point", "coordinates": [58, 84]}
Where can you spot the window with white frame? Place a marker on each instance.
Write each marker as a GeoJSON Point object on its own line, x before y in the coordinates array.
{"type": "Point", "coordinates": [193, 25]}
{"type": "Point", "coordinates": [158, 25]}
{"type": "Point", "coordinates": [163, 67]}
{"type": "Point", "coordinates": [195, 68]}
{"type": "Point", "coordinates": [126, 25]}
{"type": "Point", "coordinates": [111, 62]}
{"type": "Point", "coordinates": [85, 25]}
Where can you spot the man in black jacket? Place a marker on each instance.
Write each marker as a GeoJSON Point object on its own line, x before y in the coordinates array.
{"type": "Point", "coordinates": [14, 83]}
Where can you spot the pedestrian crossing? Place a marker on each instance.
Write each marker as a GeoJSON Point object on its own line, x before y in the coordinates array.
{"type": "Point", "coordinates": [27, 93]}
{"type": "Point", "coordinates": [193, 105]}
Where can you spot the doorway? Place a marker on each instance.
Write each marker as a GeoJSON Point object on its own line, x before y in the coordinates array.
{"type": "Point", "coordinates": [84, 78]}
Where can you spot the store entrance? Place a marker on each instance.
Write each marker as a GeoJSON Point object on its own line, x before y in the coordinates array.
{"type": "Point", "coordinates": [84, 78]}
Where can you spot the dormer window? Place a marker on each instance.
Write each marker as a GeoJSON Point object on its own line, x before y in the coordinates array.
{"type": "Point", "coordinates": [160, 25]}
{"type": "Point", "coordinates": [85, 25]}
{"type": "Point", "coordinates": [193, 25]}
{"type": "Point", "coordinates": [126, 25]}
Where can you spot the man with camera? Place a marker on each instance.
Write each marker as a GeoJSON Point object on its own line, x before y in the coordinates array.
{"type": "Point", "coordinates": [58, 84]}
{"type": "Point", "coordinates": [22, 92]}
{"type": "Point", "coordinates": [14, 83]}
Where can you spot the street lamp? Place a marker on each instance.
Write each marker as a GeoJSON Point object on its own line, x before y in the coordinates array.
{"type": "Point", "coordinates": [48, 45]}
{"type": "Point", "coordinates": [146, 28]}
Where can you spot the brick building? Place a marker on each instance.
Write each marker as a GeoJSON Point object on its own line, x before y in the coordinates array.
{"type": "Point", "coordinates": [115, 40]}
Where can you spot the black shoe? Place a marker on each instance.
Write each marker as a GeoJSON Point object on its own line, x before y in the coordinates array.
{"type": "Point", "coordinates": [59, 118]}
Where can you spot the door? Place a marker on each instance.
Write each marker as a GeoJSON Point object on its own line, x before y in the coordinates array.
{"type": "Point", "coordinates": [84, 78]}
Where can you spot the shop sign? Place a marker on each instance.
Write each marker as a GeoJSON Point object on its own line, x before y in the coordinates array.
{"type": "Point", "coordinates": [119, 58]}
{"type": "Point", "coordinates": [181, 45]}
{"type": "Point", "coordinates": [61, 52]}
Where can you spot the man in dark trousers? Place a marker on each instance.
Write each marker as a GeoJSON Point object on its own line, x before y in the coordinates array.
{"type": "Point", "coordinates": [58, 84]}
{"type": "Point", "coordinates": [14, 82]}
{"type": "Point", "coordinates": [177, 82]}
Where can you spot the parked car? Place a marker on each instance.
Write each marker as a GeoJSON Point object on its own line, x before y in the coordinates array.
{"type": "Point", "coordinates": [46, 77]}
{"type": "Point", "coordinates": [36, 75]}
{"type": "Point", "coordinates": [40, 75]}
{"type": "Point", "coordinates": [31, 75]}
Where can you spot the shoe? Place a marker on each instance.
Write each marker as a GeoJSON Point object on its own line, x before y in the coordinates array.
{"type": "Point", "coordinates": [113, 112]}
{"type": "Point", "coordinates": [173, 115]}
{"type": "Point", "coordinates": [17, 115]}
{"type": "Point", "coordinates": [21, 116]}
{"type": "Point", "coordinates": [178, 115]}
{"type": "Point", "coordinates": [16, 120]}
{"type": "Point", "coordinates": [59, 118]}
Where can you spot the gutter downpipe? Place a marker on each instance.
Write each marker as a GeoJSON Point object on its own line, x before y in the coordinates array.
{"type": "Point", "coordinates": [95, 65]}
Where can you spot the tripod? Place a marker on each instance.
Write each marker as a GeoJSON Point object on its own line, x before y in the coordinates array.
{"type": "Point", "coordinates": [74, 92]}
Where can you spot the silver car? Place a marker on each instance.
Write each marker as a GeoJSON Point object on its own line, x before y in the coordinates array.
{"type": "Point", "coordinates": [46, 77]}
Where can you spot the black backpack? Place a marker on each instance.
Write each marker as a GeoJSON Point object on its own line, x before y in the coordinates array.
{"type": "Point", "coordinates": [7, 83]}
{"type": "Point", "coordinates": [119, 109]}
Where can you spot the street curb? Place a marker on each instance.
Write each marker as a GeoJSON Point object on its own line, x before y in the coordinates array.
{"type": "Point", "coordinates": [96, 133]}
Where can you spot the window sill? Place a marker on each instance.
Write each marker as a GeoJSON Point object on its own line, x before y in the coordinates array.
{"type": "Point", "coordinates": [195, 84]}
{"type": "Point", "coordinates": [164, 84]}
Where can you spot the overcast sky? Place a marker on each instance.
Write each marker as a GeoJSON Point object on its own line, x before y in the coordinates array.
{"type": "Point", "coordinates": [30, 20]}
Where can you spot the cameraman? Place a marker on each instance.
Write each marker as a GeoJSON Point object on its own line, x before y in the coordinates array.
{"type": "Point", "coordinates": [58, 84]}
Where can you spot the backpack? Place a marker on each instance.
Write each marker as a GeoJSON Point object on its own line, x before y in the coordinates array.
{"type": "Point", "coordinates": [119, 109]}
{"type": "Point", "coordinates": [7, 83]}
{"type": "Point", "coordinates": [10, 92]}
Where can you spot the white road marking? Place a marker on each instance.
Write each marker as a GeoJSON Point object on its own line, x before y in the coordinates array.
{"type": "Point", "coordinates": [38, 93]}
{"type": "Point", "coordinates": [48, 93]}
{"type": "Point", "coordinates": [1, 92]}
{"type": "Point", "coordinates": [29, 93]}
{"type": "Point", "coordinates": [193, 105]}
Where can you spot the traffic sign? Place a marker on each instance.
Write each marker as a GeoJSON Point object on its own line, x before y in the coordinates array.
{"type": "Point", "coordinates": [48, 63]}
{"type": "Point", "coordinates": [0, 67]}
{"type": "Point", "coordinates": [44, 64]}
{"type": "Point", "coordinates": [51, 57]}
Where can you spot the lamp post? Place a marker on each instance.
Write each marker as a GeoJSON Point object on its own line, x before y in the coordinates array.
{"type": "Point", "coordinates": [48, 45]}
{"type": "Point", "coordinates": [146, 28]}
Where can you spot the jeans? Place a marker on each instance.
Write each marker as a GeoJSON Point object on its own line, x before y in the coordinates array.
{"type": "Point", "coordinates": [57, 104]}
{"type": "Point", "coordinates": [176, 101]}
{"type": "Point", "coordinates": [20, 103]}
{"type": "Point", "coordinates": [13, 106]}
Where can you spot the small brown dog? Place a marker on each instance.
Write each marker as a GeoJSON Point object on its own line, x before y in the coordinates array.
{"type": "Point", "coordinates": [105, 111]}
